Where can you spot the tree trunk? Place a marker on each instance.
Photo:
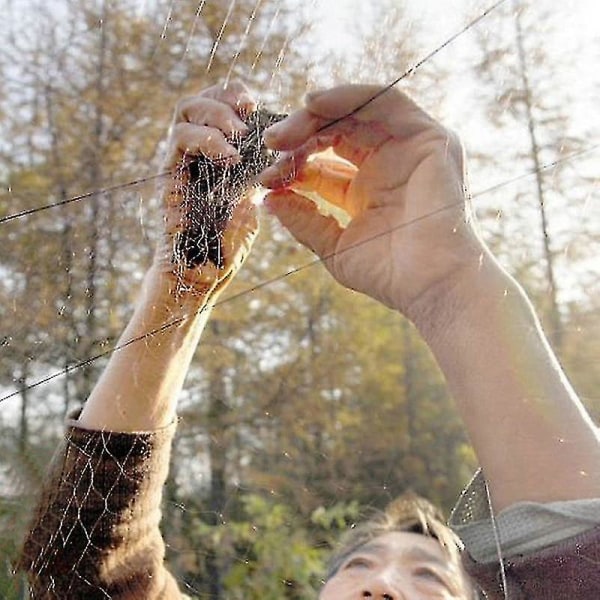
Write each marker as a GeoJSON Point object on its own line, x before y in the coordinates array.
{"type": "Point", "coordinates": [66, 260]}
{"type": "Point", "coordinates": [23, 424]}
{"type": "Point", "coordinates": [552, 311]}
{"type": "Point", "coordinates": [410, 395]}
{"type": "Point", "coordinates": [217, 451]}
{"type": "Point", "coordinates": [95, 208]}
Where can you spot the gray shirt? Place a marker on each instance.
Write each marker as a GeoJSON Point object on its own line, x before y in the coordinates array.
{"type": "Point", "coordinates": [522, 528]}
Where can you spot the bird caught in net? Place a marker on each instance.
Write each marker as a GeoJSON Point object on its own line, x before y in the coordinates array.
{"type": "Point", "coordinates": [213, 190]}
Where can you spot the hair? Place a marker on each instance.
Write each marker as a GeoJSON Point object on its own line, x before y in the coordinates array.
{"type": "Point", "coordinates": [407, 513]}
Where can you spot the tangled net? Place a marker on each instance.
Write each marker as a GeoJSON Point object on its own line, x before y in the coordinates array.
{"type": "Point", "coordinates": [213, 190]}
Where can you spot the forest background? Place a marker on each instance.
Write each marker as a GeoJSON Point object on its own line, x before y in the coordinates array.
{"type": "Point", "coordinates": [307, 405]}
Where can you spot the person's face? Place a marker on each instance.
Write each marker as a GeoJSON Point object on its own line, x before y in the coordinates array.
{"type": "Point", "coordinates": [395, 566]}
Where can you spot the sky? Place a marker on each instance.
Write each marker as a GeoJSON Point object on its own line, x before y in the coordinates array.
{"type": "Point", "coordinates": [574, 35]}
{"type": "Point", "coordinates": [580, 18]}
{"type": "Point", "coordinates": [576, 29]}
{"type": "Point", "coordinates": [572, 43]}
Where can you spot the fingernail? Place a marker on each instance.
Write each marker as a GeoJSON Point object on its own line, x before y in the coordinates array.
{"type": "Point", "coordinates": [269, 175]}
{"type": "Point", "coordinates": [245, 100]}
{"type": "Point", "coordinates": [229, 152]}
{"type": "Point", "coordinates": [246, 105]}
{"type": "Point", "coordinates": [313, 95]}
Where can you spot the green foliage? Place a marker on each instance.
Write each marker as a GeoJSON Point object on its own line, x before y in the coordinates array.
{"type": "Point", "coordinates": [270, 553]}
{"type": "Point", "coordinates": [10, 585]}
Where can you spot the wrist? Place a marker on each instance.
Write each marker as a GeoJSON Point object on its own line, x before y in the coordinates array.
{"type": "Point", "coordinates": [172, 297]}
{"type": "Point", "coordinates": [479, 291]}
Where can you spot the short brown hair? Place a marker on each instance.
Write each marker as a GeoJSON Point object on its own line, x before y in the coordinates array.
{"type": "Point", "coordinates": [409, 513]}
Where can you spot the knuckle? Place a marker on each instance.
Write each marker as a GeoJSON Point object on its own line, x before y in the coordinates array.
{"type": "Point", "coordinates": [179, 130]}
{"type": "Point", "coordinates": [183, 105]}
{"type": "Point", "coordinates": [216, 92]}
{"type": "Point", "coordinates": [196, 108]}
{"type": "Point", "coordinates": [212, 91]}
{"type": "Point", "coordinates": [237, 85]}
{"type": "Point", "coordinates": [454, 143]}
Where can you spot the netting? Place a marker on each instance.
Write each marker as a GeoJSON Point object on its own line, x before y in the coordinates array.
{"type": "Point", "coordinates": [271, 460]}
{"type": "Point", "coordinates": [211, 193]}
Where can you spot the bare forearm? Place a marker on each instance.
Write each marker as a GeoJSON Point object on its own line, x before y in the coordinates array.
{"type": "Point", "coordinates": [533, 438]}
{"type": "Point", "coordinates": [139, 388]}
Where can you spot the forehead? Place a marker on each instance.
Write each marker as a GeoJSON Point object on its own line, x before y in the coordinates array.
{"type": "Point", "coordinates": [403, 545]}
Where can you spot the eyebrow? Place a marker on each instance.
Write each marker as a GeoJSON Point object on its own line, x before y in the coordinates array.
{"type": "Point", "coordinates": [370, 548]}
{"type": "Point", "coordinates": [420, 554]}
{"type": "Point", "coordinates": [414, 554]}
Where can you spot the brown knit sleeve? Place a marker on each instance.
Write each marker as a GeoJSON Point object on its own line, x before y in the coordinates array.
{"type": "Point", "coordinates": [95, 532]}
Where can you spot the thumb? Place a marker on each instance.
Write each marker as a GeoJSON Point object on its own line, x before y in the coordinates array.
{"type": "Point", "coordinates": [301, 217]}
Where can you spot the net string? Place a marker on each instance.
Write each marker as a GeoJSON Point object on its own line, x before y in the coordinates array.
{"type": "Point", "coordinates": [213, 52]}
{"type": "Point", "coordinates": [197, 14]}
{"type": "Point", "coordinates": [383, 90]}
{"type": "Point", "coordinates": [497, 541]}
{"type": "Point", "coordinates": [410, 71]}
{"type": "Point", "coordinates": [107, 190]}
{"type": "Point", "coordinates": [267, 36]}
{"type": "Point", "coordinates": [273, 280]}
{"type": "Point", "coordinates": [242, 42]}
{"type": "Point", "coordinates": [294, 271]}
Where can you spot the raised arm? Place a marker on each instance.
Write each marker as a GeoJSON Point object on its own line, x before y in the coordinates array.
{"type": "Point", "coordinates": [96, 531]}
{"type": "Point", "coordinates": [411, 244]}
{"type": "Point", "coordinates": [139, 388]}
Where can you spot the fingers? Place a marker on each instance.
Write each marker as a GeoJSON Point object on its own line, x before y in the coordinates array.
{"type": "Point", "coordinates": [242, 229]}
{"type": "Point", "coordinates": [354, 118]}
{"type": "Point", "coordinates": [205, 123]}
{"type": "Point", "coordinates": [206, 111]}
{"type": "Point", "coordinates": [291, 164]}
{"type": "Point", "coordinates": [293, 131]}
{"type": "Point", "coordinates": [235, 94]}
{"type": "Point", "coordinates": [364, 101]}
{"type": "Point", "coordinates": [324, 108]}
{"type": "Point", "coordinates": [193, 140]}
{"type": "Point", "coordinates": [301, 218]}
{"type": "Point", "coordinates": [331, 179]}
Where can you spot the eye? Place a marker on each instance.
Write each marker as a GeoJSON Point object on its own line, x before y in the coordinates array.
{"type": "Point", "coordinates": [429, 574]}
{"type": "Point", "coordinates": [358, 562]}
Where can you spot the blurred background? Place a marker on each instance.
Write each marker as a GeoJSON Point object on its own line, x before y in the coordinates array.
{"type": "Point", "coordinates": [307, 405]}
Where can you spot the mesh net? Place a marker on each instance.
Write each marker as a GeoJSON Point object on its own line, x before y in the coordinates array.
{"type": "Point", "coordinates": [212, 191]}
{"type": "Point", "coordinates": [270, 462]}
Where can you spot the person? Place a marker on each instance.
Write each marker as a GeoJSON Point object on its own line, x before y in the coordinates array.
{"type": "Point", "coordinates": [411, 243]}
{"type": "Point", "coordinates": [406, 551]}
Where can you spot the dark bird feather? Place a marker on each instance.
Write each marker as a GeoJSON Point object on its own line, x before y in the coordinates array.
{"type": "Point", "coordinates": [213, 190]}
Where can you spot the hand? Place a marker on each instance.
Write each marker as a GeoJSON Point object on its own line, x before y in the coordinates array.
{"type": "Point", "coordinates": [403, 187]}
{"type": "Point", "coordinates": [204, 125]}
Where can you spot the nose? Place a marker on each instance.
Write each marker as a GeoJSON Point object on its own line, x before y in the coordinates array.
{"type": "Point", "coordinates": [386, 583]}
{"type": "Point", "coordinates": [382, 587]}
